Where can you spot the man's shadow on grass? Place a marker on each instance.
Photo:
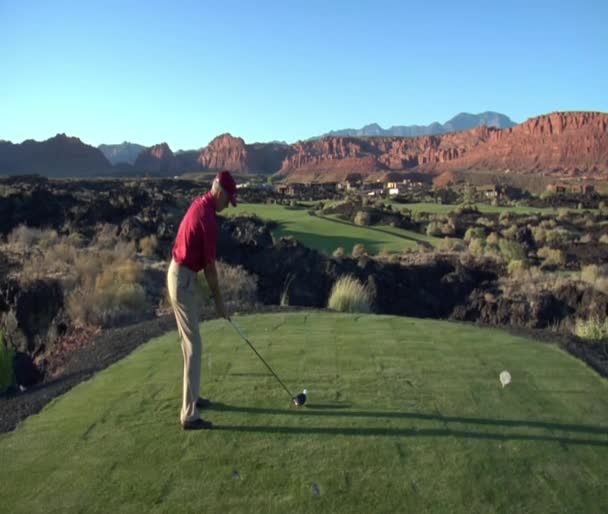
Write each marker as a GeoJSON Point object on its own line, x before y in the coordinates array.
{"type": "Point", "coordinates": [336, 409]}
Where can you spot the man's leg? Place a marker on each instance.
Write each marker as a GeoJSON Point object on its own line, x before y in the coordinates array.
{"type": "Point", "coordinates": [184, 298]}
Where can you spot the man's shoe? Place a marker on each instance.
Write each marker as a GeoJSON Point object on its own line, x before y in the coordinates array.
{"type": "Point", "coordinates": [203, 403]}
{"type": "Point", "coordinates": [197, 424]}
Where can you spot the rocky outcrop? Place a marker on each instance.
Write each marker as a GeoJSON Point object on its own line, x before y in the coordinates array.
{"type": "Point", "coordinates": [158, 160]}
{"type": "Point", "coordinates": [332, 159]}
{"type": "Point", "coordinates": [564, 144]}
{"type": "Point", "coordinates": [59, 156]}
{"type": "Point", "coordinates": [231, 153]}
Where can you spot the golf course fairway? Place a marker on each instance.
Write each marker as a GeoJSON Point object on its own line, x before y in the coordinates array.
{"type": "Point", "coordinates": [403, 415]}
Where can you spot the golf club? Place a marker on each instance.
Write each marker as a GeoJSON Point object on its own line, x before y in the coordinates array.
{"type": "Point", "coordinates": [297, 400]}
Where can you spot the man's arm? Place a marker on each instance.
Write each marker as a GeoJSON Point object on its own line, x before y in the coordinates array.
{"type": "Point", "coordinates": [211, 276]}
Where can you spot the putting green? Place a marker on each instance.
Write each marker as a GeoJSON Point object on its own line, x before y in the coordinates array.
{"type": "Point", "coordinates": [403, 415]}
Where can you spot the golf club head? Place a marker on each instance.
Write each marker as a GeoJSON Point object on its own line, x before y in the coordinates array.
{"type": "Point", "coordinates": [299, 400]}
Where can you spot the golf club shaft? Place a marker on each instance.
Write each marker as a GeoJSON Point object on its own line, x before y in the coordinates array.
{"type": "Point", "coordinates": [261, 358]}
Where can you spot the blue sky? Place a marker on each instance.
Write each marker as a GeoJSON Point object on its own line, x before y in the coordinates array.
{"type": "Point", "coordinates": [186, 71]}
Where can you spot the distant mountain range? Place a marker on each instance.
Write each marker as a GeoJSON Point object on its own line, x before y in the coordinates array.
{"type": "Point", "coordinates": [462, 121]}
{"type": "Point", "coordinates": [560, 145]}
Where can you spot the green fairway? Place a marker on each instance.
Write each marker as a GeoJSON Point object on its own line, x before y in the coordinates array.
{"type": "Point", "coordinates": [328, 232]}
{"type": "Point", "coordinates": [404, 415]}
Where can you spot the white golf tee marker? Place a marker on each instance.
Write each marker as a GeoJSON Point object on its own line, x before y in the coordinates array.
{"type": "Point", "coordinates": [505, 378]}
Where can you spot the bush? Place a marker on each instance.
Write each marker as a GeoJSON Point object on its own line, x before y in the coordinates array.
{"type": "Point", "coordinates": [510, 232]}
{"type": "Point", "coordinates": [148, 245]}
{"type": "Point", "coordinates": [7, 373]}
{"type": "Point", "coordinates": [106, 290]}
{"type": "Point", "coordinates": [590, 273]}
{"type": "Point", "coordinates": [559, 237]}
{"type": "Point", "coordinates": [476, 246]}
{"type": "Point", "coordinates": [448, 244]}
{"type": "Point", "coordinates": [474, 233]}
{"type": "Point", "coordinates": [591, 329]}
{"type": "Point", "coordinates": [350, 295]}
{"type": "Point", "coordinates": [512, 250]}
{"type": "Point", "coordinates": [586, 238]}
{"type": "Point", "coordinates": [338, 252]}
{"type": "Point", "coordinates": [238, 286]}
{"type": "Point", "coordinates": [437, 228]}
{"type": "Point", "coordinates": [551, 256]}
{"type": "Point", "coordinates": [492, 239]}
{"type": "Point", "coordinates": [485, 222]}
{"type": "Point", "coordinates": [596, 277]}
{"type": "Point", "coordinates": [28, 236]}
{"type": "Point", "coordinates": [362, 218]}
{"type": "Point", "coordinates": [540, 235]}
{"type": "Point", "coordinates": [516, 267]}
{"type": "Point", "coordinates": [359, 250]}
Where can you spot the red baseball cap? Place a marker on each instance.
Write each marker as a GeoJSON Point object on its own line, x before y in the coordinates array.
{"type": "Point", "coordinates": [228, 184]}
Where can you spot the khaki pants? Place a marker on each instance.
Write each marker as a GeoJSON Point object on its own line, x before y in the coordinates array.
{"type": "Point", "coordinates": [186, 299]}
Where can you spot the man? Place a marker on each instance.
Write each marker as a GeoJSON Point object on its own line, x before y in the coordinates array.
{"type": "Point", "coordinates": [194, 250]}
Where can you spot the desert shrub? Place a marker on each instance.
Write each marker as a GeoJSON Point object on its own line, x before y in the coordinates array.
{"type": "Point", "coordinates": [148, 245]}
{"type": "Point", "coordinates": [106, 290]}
{"type": "Point", "coordinates": [512, 250]}
{"type": "Point", "coordinates": [75, 239]}
{"type": "Point", "coordinates": [485, 222]}
{"type": "Point", "coordinates": [438, 228]}
{"type": "Point", "coordinates": [586, 238]}
{"type": "Point", "coordinates": [505, 217]}
{"type": "Point", "coordinates": [238, 285]}
{"type": "Point", "coordinates": [604, 239]}
{"type": "Point", "coordinates": [492, 239]}
{"type": "Point", "coordinates": [590, 273]}
{"type": "Point", "coordinates": [510, 232]}
{"type": "Point", "coordinates": [474, 232]}
{"type": "Point", "coordinates": [423, 247]}
{"type": "Point", "coordinates": [106, 237]}
{"type": "Point", "coordinates": [596, 276]}
{"type": "Point", "coordinates": [362, 218]}
{"type": "Point", "coordinates": [548, 224]}
{"type": "Point", "coordinates": [551, 256]}
{"type": "Point", "coordinates": [517, 266]}
{"type": "Point", "coordinates": [384, 254]}
{"type": "Point", "coordinates": [284, 300]}
{"type": "Point", "coordinates": [448, 244]}
{"type": "Point", "coordinates": [359, 250]}
{"type": "Point", "coordinates": [559, 237]}
{"type": "Point", "coordinates": [476, 246]}
{"type": "Point", "coordinates": [591, 329]}
{"type": "Point", "coordinates": [339, 252]}
{"type": "Point", "coordinates": [7, 373]}
{"type": "Point", "coordinates": [540, 235]}
{"type": "Point", "coordinates": [29, 236]}
{"type": "Point", "coordinates": [123, 250]}
{"type": "Point", "coordinates": [350, 295]}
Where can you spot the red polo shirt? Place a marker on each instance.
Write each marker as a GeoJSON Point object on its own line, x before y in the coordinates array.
{"type": "Point", "coordinates": [196, 239]}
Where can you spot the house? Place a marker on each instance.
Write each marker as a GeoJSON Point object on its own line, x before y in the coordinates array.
{"type": "Point", "coordinates": [491, 192]}
{"type": "Point", "coordinates": [574, 188]}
